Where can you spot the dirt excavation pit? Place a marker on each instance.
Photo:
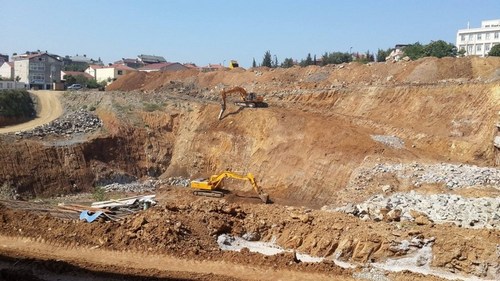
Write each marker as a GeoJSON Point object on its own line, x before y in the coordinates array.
{"type": "Point", "coordinates": [383, 171]}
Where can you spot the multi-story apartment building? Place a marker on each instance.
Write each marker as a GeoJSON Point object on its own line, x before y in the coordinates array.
{"type": "Point", "coordinates": [38, 70]}
{"type": "Point", "coordinates": [479, 41]}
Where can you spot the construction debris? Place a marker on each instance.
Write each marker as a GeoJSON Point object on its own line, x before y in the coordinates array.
{"type": "Point", "coordinates": [112, 210]}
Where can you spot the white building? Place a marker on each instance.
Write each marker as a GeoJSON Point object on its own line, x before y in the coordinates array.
{"type": "Point", "coordinates": [108, 73]}
{"type": "Point", "coordinates": [479, 41]}
{"type": "Point", "coordinates": [7, 70]}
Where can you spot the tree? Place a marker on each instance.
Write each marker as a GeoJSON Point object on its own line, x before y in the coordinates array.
{"type": "Point", "coordinates": [288, 62]}
{"type": "Point", "coordinates": [336, 58]}
{"type": "Point", "coordinates": [414, 51]}
{"type": "Point", "coordinates": [382, 54]}
{"type": "Point", "coordinates": [495, 51]}
{"type": "Point", "coordinates": [440, 49]}
{"type": "Point", "coordinates": [267, 60]}
{"type": "Point", "coordinates": [275, 63]}
{"type": "Point", "coordinates": [254, 64]}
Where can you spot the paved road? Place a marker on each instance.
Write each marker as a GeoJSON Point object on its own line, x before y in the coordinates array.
{"type": "Point", "coordinates": [49, 109]}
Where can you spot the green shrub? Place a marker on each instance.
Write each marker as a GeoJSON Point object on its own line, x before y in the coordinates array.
{"type": "Point", "coordinates": [99, 194]}
{"type": "Point", "coordinates": [16, 103]}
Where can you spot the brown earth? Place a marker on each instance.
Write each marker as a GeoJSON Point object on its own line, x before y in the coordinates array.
{"type": "Point", "coordinates": [304, 150]}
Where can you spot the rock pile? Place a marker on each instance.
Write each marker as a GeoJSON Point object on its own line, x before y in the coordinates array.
{"type": "Point", "coordinates": [452, 175]}
{"type": "Point", "coordinates": [427, 209]}
{"type": "Point", "coordinates": [77, 122]}
{"type": "Point", "coordinates": [177, 181]}
{"type": "Point", "coordinates": [140, 187]}
{"type": "Point", "coordinates": [391, 141]}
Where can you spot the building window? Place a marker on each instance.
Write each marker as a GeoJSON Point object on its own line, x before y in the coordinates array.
{"type": "Point", "coordinates": [478, 48]}
{"type": "Point", "coordinates": [463, 37]}
{"type": "Point", "coordinates": [469, 49]}
{"type": "Point", "coordinates": [1, 85]}
{"type": "Point", "coordinates": [471, 37]}
{"type": "Point", "coordinates": [120, 72]}
{"type": "Point", "coordinates": [487, 47]}
{"type": "Point", "coordinates": [37, 66]}
{"type": "Point", "coordinates": [487, 36]}
{"type": "Point", "coordinates": [496, 35]}
{"type": "Point", "coordinates": [37, 78]}
{"type": "Point", "coordinates": [479, 36]}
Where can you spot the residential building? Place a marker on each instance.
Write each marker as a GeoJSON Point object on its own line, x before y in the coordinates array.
{"type": "Point", "coordinates": [7, 85]}
{"type": "Point", "coordinates": [212, 67]}
{"type": "Point", "coordinates": [3, 58]}
{"type": "Point", "coordinates": [7, 70]}
{"type": "Point", "coordinates": [134, 63]}
{"type": "Point", "coordinates": [148, 59]}
{"type": "Point", "coordinates": [191, 66]}
{"type": "Point", "coordinates": [163, 66]}
{"type": "Point", "coordinates": [479, 41]}
{"type": "Point", "coordinates": [38, 70]}
{"type": "Point", "coordinates": [108, 73]}
{"type": "Point", "coordinates": [92, 69]}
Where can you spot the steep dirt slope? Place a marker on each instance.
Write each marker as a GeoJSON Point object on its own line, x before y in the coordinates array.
{"type": "Point", "coordinates": [318, 128]}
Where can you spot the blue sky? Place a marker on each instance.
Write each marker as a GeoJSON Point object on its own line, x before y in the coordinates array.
{"type": "Point", "coordinates": [202, 31]}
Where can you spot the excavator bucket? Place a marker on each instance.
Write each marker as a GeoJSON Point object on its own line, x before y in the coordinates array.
{"type": "Point", "coordinates": [264, 197]}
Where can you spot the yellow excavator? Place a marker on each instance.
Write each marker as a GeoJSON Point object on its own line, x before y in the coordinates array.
{"type": "Point", "coordinates": [212, 187]}
{"type": "Point", "coordinates": [247, 99]}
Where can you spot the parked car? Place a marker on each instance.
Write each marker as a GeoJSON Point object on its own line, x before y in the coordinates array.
{"type": "Point", "coordinates": [75, 87]}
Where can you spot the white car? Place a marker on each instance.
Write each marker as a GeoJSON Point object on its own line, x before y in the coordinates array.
{"type": "Point", "coordinates": [75, 87]}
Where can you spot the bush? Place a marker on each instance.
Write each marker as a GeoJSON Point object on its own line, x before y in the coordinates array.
{"type": "Point", "coordinates": [16, 103]}
{"type": "Point", "coordinates": [99, 194]}
{"type": "Point", "coordinates": [150, 107]}
{"type": "Point", "coordinates": [495, 51]}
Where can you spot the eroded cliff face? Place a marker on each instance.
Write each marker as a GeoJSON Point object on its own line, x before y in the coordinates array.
{"type": "Point", "coordinates": [36, 168]}
{"type": "Point", "coordinates": [322, 125]}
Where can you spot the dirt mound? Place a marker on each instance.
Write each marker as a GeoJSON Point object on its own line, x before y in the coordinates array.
{"type": "Point", "coordinates": [186, 226]}
{"type": "Point", "coordinates": [426, 70]}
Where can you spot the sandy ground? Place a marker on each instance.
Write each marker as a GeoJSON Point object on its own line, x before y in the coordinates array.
{"type": "Point", "coordinates": [163, 263]}
{"type": "Point", "coordinates": [49, 109]}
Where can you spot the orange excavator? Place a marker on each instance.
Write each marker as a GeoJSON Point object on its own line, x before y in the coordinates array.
{"type": "Point", "coordinates": [212, 187]}
{"type": "Point", "coordinates": [247, 99]}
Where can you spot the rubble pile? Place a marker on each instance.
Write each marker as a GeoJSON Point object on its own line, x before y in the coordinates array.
{"type": "Point", "coordinates": [452, 175]}
{"type": "Point", "coordinates": [140, 187]}
{"type": "Point", "coordinates": [177, 181]}
{"type": "Point", "coordinates": [77, 122]}
{"type": "Point", "coordinates": [438, 208]}
{"type": "Point", "coordinates": [391, 141]}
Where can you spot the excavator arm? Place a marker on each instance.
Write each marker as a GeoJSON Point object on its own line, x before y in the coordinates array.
{"type": "Point", "coordinates": [224, 93]}
{"type": "Point", "coordinates": [247, 100]}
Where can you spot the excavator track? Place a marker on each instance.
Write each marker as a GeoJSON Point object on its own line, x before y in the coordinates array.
{"type": "Point", "coordinates": [207, 193]}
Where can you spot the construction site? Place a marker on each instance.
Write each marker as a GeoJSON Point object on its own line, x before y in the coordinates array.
{"type": "Point", "coordinates": [378, 171]}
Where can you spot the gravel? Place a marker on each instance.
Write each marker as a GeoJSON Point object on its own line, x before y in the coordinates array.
{"type": "Point", "coordinates": [391, 141]}
{"type": "Point", "coordinates": [453, 176]}
{"type": "Point", "coordinates": [77, 122]}
{"type": "Point", "coordinates": [439, 208]}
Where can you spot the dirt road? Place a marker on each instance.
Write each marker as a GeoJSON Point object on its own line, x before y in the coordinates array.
{"type": "Point", "coordinates": [122, 262]}
{"type": "Point", "coordinates": [49, 109]}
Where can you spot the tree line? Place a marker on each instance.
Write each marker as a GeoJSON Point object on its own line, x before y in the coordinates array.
{"type": "Point", "coordinates": [414, 51]}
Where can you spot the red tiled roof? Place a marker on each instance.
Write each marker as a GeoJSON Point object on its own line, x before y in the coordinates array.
{"type": "Point", "coordinates": [96, 66]}
{"type": "Point", "coordinates": [120, 67]}
{"type": "Point", "coordinates": [157, 66]}
{"type": "Point", "coordinates": [78, 73]}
